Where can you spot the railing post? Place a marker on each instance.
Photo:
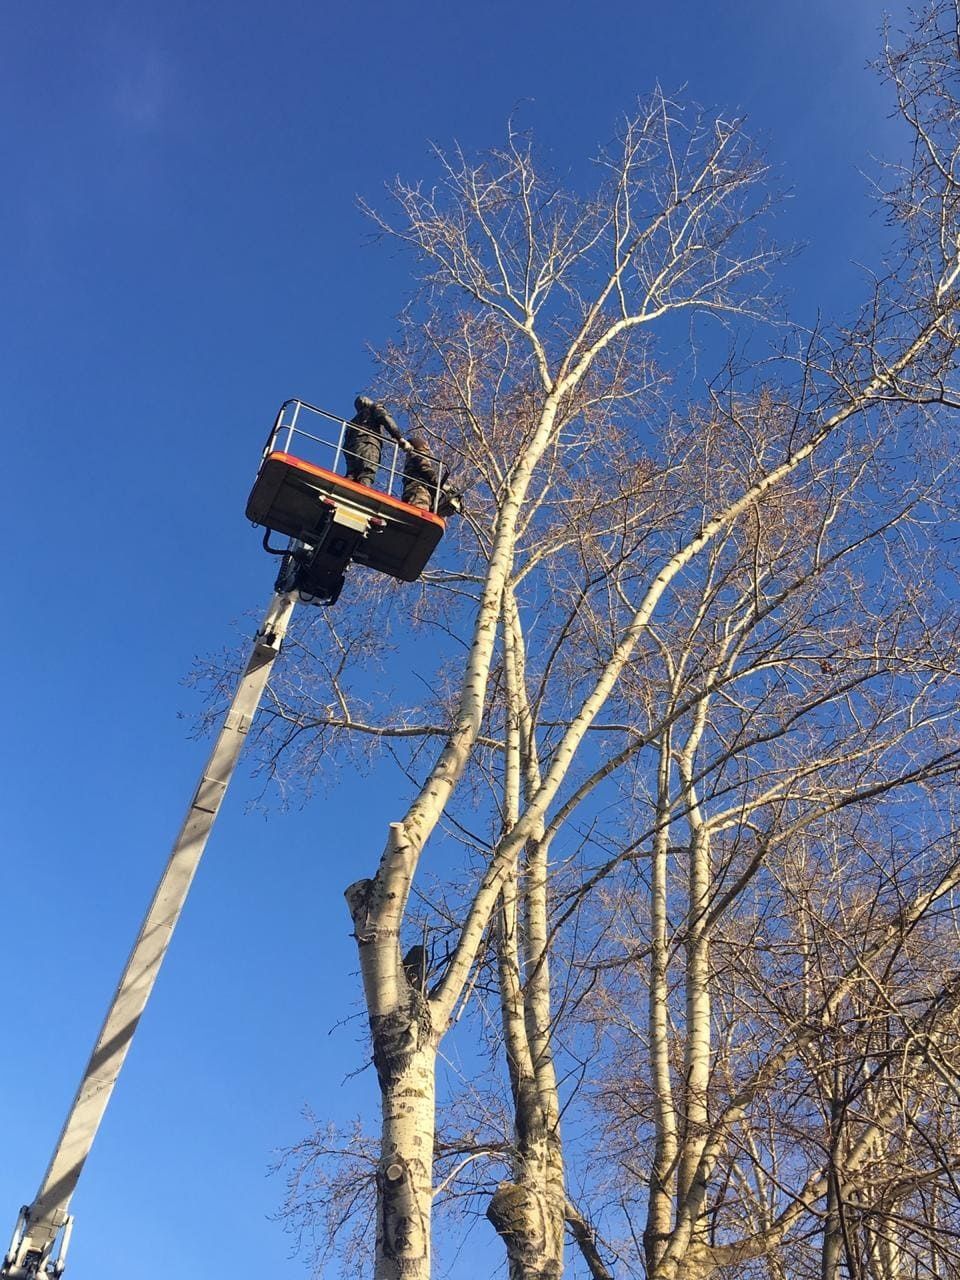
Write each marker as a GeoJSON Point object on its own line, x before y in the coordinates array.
{"type": "Point", "coordinates": [339, 449]}
{"type": "Point", "coordinates": [293, 425]}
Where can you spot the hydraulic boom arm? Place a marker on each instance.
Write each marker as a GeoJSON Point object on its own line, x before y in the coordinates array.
{"type": "Point", "coordinates": [46, 1222]}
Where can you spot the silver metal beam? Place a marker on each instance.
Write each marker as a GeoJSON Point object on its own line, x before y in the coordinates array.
{"type": "Point", "coordinates": [40, 1223]}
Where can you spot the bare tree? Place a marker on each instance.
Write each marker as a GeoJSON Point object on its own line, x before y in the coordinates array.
{"type": "Point", "coordinates": [800, 844]}
{"type": "Point", "coordinates": [698, 659]}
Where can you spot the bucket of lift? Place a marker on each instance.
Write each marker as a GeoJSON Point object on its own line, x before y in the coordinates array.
{"type": "Point", "coordinates": [334, 520]}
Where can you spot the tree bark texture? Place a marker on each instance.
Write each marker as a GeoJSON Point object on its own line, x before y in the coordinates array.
{"type": "Point", "coordinates": [404, 1174]}
{"type": "Point", "coordinates": [405, 1043]}
{"type": "Point", "coordinates": [663, 1172]}
{"type": "Point", "coordinates": [529, 1213]}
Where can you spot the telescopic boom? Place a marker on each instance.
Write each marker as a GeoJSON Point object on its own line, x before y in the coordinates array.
{"type": "Point", "coordinates": [42, 1233]}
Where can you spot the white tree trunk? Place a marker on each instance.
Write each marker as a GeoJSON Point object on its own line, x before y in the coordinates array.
{"type": "Point", "coordinates": [691, 1184]}
{"type": "Point", "coordinates": [405, 1043]}
{"type": "Point", "coordinates": [404, 1174]}
{"type": "Point", "coordinates": [528, 1212]}
{"type": "Point", "coordinates": [663, 1173]}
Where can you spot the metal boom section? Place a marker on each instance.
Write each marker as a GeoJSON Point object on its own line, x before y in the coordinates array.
{"type": "Point", "coordinates": [40, 1223]}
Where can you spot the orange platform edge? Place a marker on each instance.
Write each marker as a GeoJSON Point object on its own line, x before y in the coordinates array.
{"type": "Point", "coordinates": [359, 490]}
{"type": "Point", "coordinates": [407, 535]}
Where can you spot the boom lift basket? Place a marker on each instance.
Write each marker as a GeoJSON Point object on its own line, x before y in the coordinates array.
{"type": "Point", "coordinates": [298, 495]}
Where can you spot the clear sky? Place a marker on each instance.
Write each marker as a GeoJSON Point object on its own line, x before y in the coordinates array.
{"type": "Point", "coordinates": [181, 251]}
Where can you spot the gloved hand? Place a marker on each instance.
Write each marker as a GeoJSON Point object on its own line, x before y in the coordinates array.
{"type": "Point", "coordinates": [404, 444]}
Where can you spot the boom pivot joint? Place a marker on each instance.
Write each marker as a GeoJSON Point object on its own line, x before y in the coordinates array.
{"type": "Point", "coordinates": [31, 1248]}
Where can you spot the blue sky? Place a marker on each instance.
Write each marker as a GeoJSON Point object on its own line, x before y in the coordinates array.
{"type": "Point", "coordinates": [182, 251]}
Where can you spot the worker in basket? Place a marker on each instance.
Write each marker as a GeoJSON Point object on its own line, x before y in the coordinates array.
{"type": "Point", "coordinates": [363, 440]}
{"type": "Point", "coordinates": [425, 480]}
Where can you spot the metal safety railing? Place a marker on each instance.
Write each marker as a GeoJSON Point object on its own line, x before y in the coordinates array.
{"type": "Point", "coordinates": [317, 436]}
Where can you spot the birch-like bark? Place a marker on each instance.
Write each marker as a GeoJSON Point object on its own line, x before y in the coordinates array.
{"type": "Point", "coordinates": [404, 1053]}
{"type": "Point", "coordinates": [692, 1190]}
{"type": "Point", "coordinates": [405, 1171]}
{"type": "Point", "coordinates": [529, 1211]}
{"type": "Point", "coordinates": [523, 1210]}
{"type": "Point", "coordinates": [424, 813]}
{"type": "Point", "coordinates": [663, 1171]}
{"type": "Point", "coordinates": [538, 1008]}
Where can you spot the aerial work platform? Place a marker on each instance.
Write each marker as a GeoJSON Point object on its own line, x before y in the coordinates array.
{"type": "Point", "coordinates": [330, 521]}
{"type": "Point", "coordinates": [298, 493]}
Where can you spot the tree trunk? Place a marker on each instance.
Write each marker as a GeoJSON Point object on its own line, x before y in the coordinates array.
{"type": "Point", "coordinates": [541, 1147]}
{"type": "Point", "coordinates": [832, 1235]}
{"type": "Point", "coordinates": [404, 1174]}
{"type": "Point", "coordinates": [405, 1043]}
{"type": "Point", "coordinates": [663, 1172]}
{"type": "Point", "coordinates": [832, 1228]}
{"type": "Point", "coordinates": [691, 1185]}
{"type": "Point", "coordinates": [529, 1213]}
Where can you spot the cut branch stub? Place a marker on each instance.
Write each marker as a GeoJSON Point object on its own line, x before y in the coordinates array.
{"type": "Point", "coordinates": [358, 904]}
{"type": "Point", "coordinates": [404, 1224]}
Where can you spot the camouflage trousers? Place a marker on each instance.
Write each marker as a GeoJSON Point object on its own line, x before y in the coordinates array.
{"type": "Point", "coordinates": [417, 494]}
{"type": "Point", "coordinates": [362, 453]}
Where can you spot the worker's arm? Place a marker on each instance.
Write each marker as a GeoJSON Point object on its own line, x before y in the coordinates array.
{"type": "Point", "coordinates": [383, 420]}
